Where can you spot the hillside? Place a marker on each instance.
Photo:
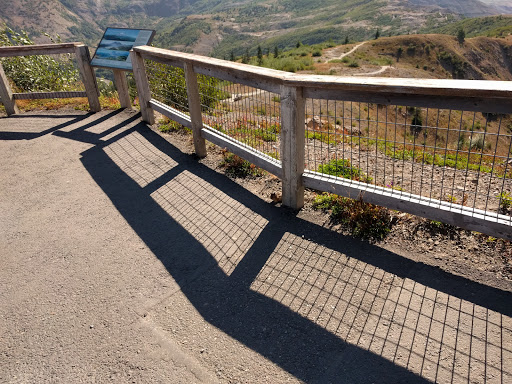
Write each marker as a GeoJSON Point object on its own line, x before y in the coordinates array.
{"type": "Point", "coordinates": [504, 6]}
{"type": "Point", "coordinates": [409, 56]}
{"type": "Point", "coordinates": [427, 56]}
{"type": "Point", "coordinates": [491, 26]}
{"type": "Point", "coordinates": [220, 26]}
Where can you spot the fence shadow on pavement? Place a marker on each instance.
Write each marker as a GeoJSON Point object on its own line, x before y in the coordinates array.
{"type": "Point", "coordinates": [323, 307]}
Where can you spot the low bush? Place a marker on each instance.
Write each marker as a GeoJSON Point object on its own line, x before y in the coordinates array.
{"type": "Point", "coordinates": [235, 166]}
{"type": "Point", "coordinates": [39, 72]}
{"type": "Point", "coordinates": [505, 201]}
{"type": "Point", "coordinates": [364, 220]}
{"type": "Point", "coordinates": [343, 168]}
{"type": "Point", "coordinates": [167, 125]}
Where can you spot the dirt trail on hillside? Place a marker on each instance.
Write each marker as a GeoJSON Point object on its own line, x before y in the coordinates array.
{"type": "Point", "coordinates": [334, 53]}
{"type": "Point", "coordinates": [125, 259]}
{"type": "Point", "coordinates": [382, 69]}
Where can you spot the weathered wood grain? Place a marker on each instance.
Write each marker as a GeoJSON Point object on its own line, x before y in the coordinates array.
{"type": "Point", "coordinates": [122, 88]}
{"type": "Point", "coordinates": [88, 76]}
{"type": "Point", "coordinates": [194, 104]}
{"type": "Point", "coordinates": [259, 77]}
{"type": "Point", "coordinates": [292, 145]}
{"type": "Point", "coordinates": [250, 74]}
{"type": "Point", "coordinates": [6, 95]}
{"type": "Point", "coordinates": [255, 157]}
{"type": "Point", "coordinates": [142, 83]}
{"type": "Point", "coordinates": [171, 113]}
{"type": "Point", "coordinates": [38, 49]}
{"type": "Point", "coordinates": [48, 95]}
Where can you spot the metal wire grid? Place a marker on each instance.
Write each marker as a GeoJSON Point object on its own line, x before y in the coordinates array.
{"type": "Point", "coordinates": [46, 73]}
{"type": "Point", "coordinates": [460, 157]}
{"type": "Point", "coordinates": [249, 115]}
{"type": "Point", "coordinates": [167, 85]}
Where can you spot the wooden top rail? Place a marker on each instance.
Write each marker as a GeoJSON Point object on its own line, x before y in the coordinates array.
{"type": "Point", "coordinates": [432, 87]}
{"type": "Point", "coordinates": [39, 49]}
{"type": "Point", "coordinates": [362, 85]}
{"type": "Point", "coordinates": [265, 78]}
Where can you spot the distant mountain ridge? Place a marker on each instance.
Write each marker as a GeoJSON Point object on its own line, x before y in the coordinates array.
{"type": "Point", "coordinates": [504, 6]}
{"type": "Point", "coordinates": [470, 8]}
{"type": "Point", "coordinates": [224, 23]}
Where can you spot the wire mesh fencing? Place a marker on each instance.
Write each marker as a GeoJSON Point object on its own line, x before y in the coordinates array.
{"type": "Point", "coordinates": [457, 157]}
{"type": "Point", "coordinates": [43, 73]}
{"type": "Point", "coordinates": [251, 116]}
{"type": "Point", "coordinates": [452, 165]}
{"type": "Point", "coordinates": [168, 85]}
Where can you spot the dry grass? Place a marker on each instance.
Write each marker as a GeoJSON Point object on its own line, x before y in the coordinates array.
{"type": "Point", "coordinates": [79, 103]}
{"type": "Point", "coordinates": [485, 58]}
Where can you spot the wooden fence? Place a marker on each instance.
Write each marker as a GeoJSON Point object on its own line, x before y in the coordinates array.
{"type": "Point", "coordinates": [469, 96]}
{"type": "Point", "coordinates": [7, 97]}
{"type": "Point", "coordinates": [299, 95]}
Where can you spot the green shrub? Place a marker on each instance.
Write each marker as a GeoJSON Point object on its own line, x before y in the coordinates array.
{"type": "Point", "coordinates": [462, 142]}
{"type": "Point", "coordinates": [235, 166]}
{"type": "Point", "coordinates": [168, 85]}
{"type": "Point", "coordinates": [478, 142]}
{"type": "Point", "coordinates": [39, 72]}
{"type": "Point", "coordinates": [167, 125]}
{"type": "Point", "coordinates": [343, 168]}
{"type": "Point", "coordinates": [505, 201]}
{"type": "Point", "coordinates": [267, 136]}
{"type": "Point", "coordinates": [362, 219]}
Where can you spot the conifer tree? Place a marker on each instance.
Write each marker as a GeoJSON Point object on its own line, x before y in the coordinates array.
{"type": "Point", "coordinates": [260, 56]}
{"type": "Point", "coordinates": [461, 36]}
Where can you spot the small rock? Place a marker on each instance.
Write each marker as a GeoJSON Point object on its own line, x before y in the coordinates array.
{"type": "Point", "coordinates": [91, 326]}
{"type": "Point", "coordinates": [276, 198]}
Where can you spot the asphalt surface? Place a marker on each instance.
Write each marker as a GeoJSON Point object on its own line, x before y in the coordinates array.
{"type": "Point", "coordinates": [126, 260]}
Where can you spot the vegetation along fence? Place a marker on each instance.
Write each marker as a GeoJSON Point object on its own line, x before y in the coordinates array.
{"type": "Point", "coordinates": [440, 149]}
{"type": "Point", "coordinates": [58, 80]}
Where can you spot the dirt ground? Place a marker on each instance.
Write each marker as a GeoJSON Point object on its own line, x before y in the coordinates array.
{"type": "Point", "coordinates": [126, 259]}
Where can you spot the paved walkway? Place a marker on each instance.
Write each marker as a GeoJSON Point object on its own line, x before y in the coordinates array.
{"type": "Point", "coordinates": [125, 260]}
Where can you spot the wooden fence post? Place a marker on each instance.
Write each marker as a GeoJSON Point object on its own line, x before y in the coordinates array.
{"type": "Point", "coordinates": [143, 91]}
{"type": "Point", "coordinates": [88, 77]}
{"type": "Point", "coordinates": [122, 88]}
{"type": "Point", "coordinates": [292, 145]}
{"type": "Point", "coordinates": [194, 106]}
{"type": "Point", "coordinates": [6, 94]}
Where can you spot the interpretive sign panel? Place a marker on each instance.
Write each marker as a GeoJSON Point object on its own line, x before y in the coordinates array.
{"type": "Point", "coordinates": [114, 48]}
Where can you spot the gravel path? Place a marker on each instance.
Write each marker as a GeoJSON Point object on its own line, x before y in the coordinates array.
{"type": "Point", "coordinates": [126, 260]}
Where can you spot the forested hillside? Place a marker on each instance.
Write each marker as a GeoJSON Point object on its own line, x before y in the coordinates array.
{"type": "Point", "coordinates": [220, 27]}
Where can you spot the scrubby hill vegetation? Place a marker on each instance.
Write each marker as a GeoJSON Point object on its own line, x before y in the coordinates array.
{"type": "Point", "coordinates": [220, 26]}
{"type": "Point", "coordinates": [438, 56]}
{"type": "Point", "coordinates": [494, 26]}
{"type": "Point", "coordinates": [421, 56]}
